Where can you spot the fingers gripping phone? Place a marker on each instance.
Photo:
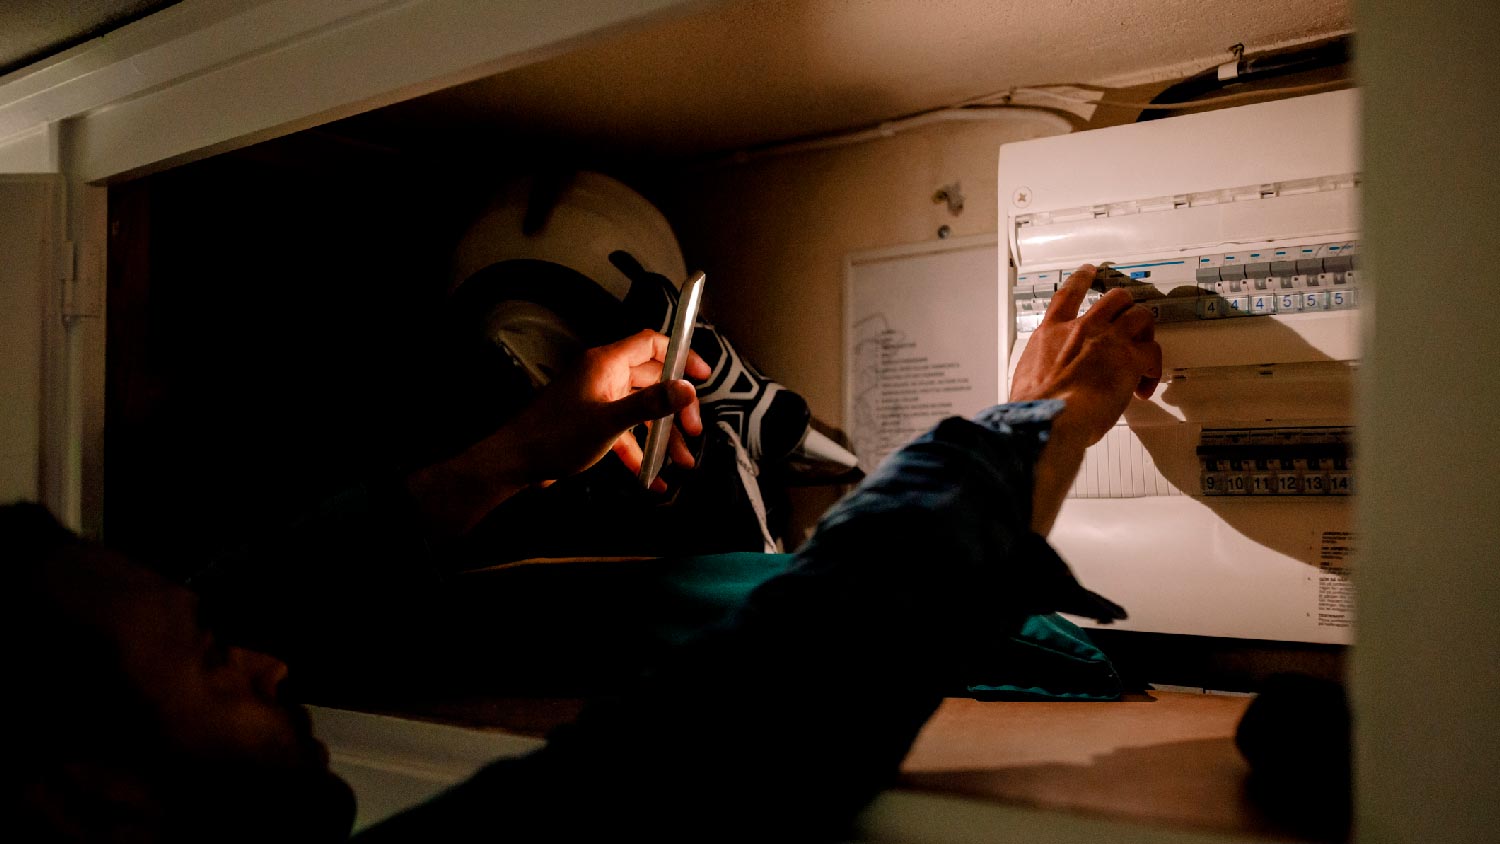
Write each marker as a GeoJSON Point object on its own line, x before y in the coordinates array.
{"type": "Point", "coordinates": [678, 344]}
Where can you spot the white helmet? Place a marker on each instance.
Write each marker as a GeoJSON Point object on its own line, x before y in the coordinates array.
{"type": "Point", "coordinates": [592, 216]}
{"type": "Point", "coordinates": [538, 265]}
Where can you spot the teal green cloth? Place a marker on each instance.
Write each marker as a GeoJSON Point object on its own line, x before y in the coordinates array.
{"type": "Point", "coordinates": [702, 589]}
{"type": "Point", "coordinates": [1049, 658]}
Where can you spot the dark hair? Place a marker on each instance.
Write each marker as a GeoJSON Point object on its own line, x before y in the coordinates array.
{"type": "Point", "coordinates": [30, 534]}
{"type": "Point", "coordinates": [70, 694]}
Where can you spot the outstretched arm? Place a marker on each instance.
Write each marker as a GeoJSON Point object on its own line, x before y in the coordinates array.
{"type": "Point", "coordinates": [787, 717]}
{"type": "Point", "coordinates": [572, 424]}
{"type": "Point", "coordinates": [1093, 362]}
{"type": "Point", "coordinates": [369, 552]}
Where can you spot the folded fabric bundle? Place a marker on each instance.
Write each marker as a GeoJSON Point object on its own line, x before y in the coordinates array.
{"type": "Point", "coordinates": [1049, 658]}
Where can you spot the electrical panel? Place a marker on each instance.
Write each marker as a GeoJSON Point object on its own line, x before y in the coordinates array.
{"type": "Point", "coordinates": [1223, 505]}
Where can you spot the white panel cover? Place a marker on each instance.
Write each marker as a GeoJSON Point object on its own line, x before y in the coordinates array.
{"type": "Point", "coordinates": [1171, 197]}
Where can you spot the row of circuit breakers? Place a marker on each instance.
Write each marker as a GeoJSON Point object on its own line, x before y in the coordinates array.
{"type": "Point", "coordinates": [1261, 282]}
{"type": "Point", "coordinates": [1277, 461]}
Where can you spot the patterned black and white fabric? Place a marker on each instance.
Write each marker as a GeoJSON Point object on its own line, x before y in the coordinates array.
{"type": "Point", "coordinates": [768, 418]}
{"type": "Point", "coordinates": [560, 264]}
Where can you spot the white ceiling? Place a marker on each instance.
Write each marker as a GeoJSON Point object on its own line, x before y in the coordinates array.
{"type": "Point", "coordinates": [741, 73]}
{"type": "Point", "coordinates": [748, 72]}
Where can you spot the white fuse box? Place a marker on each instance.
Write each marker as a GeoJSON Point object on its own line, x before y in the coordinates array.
{"type": "Point", "coordinates": [1222, 506]}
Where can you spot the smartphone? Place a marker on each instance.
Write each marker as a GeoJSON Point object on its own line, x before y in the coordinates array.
{"type": "Point", "coordinates": [679, 342]}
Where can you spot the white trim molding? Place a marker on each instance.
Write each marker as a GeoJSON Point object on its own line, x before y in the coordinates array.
{"type": "Point", "coordinates": [205, 76]}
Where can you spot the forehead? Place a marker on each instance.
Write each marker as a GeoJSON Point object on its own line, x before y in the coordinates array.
{"type": "Point", "coordinates": [128, 601]}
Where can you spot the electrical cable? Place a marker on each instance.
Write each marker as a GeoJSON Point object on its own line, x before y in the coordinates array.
{"type": "Point", "coordinates": [889, 128]}
{"type": "Point", "coordinates": [1001, 103]}
{"type": "Point", "coordinates": [1186, 93]}
{"type": "Point", "coordinates": [1310, 88]}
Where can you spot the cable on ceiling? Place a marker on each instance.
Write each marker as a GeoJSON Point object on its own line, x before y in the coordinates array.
{"type": "Point", "coordinates": [1186, 94]}
{"type": "Point", "coordinates": [1001, 104]}
{"type": "Point", "coordinates": [1288, 90]}
{"type": "Point", "coordinates": [890, 128]}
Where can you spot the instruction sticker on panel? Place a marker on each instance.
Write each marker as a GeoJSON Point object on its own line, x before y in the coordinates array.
{"type": "Point", "coordinates": [1334, 594]}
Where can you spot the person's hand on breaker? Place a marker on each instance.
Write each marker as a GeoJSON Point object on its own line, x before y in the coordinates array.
{"type": "Point", "coordinates": [1094, 362]}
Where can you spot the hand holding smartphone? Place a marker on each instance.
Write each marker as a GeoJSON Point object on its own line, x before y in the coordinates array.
{"type": "Point", "coordinates": [678, 344]}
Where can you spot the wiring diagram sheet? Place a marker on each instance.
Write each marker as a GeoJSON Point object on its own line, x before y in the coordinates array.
{"type": "Point", "coordinates": [920, 340]}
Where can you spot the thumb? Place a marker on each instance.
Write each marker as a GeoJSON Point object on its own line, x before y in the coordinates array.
{"type": "Point", "coordinates": [651, 403]}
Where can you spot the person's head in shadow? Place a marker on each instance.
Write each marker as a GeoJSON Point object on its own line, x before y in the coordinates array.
{"type": "Point", "coordinates": [135, 722]}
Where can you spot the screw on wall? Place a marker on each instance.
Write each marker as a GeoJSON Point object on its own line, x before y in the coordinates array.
{"type": "Point", "coordinates": [953, 195]}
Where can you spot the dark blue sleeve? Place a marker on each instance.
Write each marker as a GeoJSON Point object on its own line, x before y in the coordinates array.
{"type": "Point", "coordinates": [785, 720]}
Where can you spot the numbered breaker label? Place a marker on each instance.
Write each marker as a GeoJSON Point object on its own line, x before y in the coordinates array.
{"type": "Point", "coordinates": [1252, 283]}
{"type": "Point", "coordinates": [1277, 462]}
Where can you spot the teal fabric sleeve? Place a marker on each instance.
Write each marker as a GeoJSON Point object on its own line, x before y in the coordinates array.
{"type": "Point", "coordinates": [660, 603]}
{"type": "Point", "coordinates": [1049, 658]}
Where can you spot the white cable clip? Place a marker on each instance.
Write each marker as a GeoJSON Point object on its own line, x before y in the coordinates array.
{"type": "Point", "coordinates": [1231, 69]}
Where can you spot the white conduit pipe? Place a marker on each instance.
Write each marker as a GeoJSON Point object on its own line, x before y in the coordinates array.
{"type": "Point", "coordinates": [893, 127]}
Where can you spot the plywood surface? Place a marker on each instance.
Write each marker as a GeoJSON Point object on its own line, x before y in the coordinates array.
{"type": "Point", "coordinates": [1165, 758]}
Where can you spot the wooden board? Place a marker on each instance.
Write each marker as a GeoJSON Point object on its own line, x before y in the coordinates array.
{"type": "Point", "coordinates": [1167, 758]}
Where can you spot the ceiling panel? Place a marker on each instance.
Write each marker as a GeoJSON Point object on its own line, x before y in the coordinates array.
{"type": "Point", "coordinates": [748, 72]}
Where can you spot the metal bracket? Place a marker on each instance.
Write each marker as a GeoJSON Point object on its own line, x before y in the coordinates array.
{"type": "Point", "coordinates": [79, 271]}
{"type": "Point", "coordinates": [953, 195]}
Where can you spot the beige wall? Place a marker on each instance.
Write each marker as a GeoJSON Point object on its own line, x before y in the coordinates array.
{"type": "Point", "coordinates": [26, 211]}
{"type": "Point", "coordinates": [772, 235]}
